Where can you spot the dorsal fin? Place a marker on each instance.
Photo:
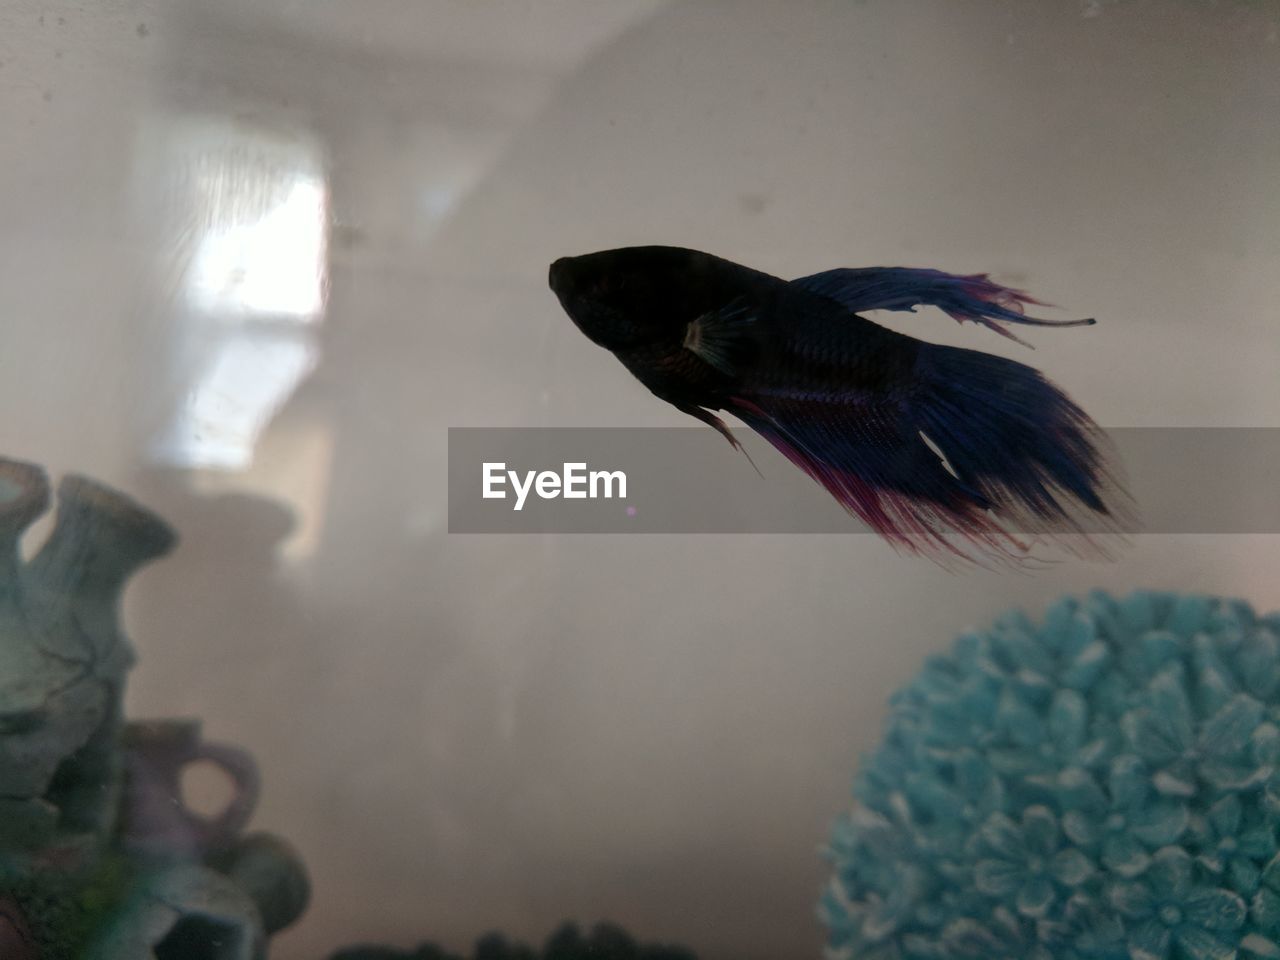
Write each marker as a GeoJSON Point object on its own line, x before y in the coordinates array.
{"type": "Point", "coordinates": [975, 297]}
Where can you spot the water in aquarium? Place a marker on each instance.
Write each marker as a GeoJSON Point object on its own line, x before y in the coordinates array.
{"type": "Point", "coordinates": [640, 480]}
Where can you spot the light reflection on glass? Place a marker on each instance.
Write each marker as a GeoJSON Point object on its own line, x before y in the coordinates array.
{"type": "Point", "coordinates": [249, 208]}
{"type": "Point", "coordinates": [273, 265]}
{"type": "Point", "coordinates": [243, 386]}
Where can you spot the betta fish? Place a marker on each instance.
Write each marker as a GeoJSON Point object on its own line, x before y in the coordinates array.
{"type": "Point", "coordinates": [941, 450]}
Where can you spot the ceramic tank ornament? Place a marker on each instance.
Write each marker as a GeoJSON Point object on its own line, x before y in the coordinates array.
{"type": "Point", "coordinates": [1103, 784]}
{"type": "Point", "coordinates": [99, 856]}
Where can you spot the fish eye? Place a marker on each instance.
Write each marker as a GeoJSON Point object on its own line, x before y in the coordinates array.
{"type": "Point", "coordinates": [612, 283]}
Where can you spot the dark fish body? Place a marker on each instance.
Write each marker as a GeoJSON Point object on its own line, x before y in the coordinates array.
{"type": "Point", "coordinates": [860, 408]}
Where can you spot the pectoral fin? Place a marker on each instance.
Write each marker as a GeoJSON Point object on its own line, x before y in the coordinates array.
{"type": "Point", "coordinates": [726, 338]}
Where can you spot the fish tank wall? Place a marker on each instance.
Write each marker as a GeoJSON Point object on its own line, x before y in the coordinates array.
{"type": "Point", "coordinates": [258, 258]}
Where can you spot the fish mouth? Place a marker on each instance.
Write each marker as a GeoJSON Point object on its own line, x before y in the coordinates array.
{"type": "Point", "coordinates": [559, 274]}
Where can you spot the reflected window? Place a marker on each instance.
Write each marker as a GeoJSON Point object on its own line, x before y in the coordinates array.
{"type": "Point", "coordinates": [246, 380]}
{"type": "Point", "coordinates": [265, 263]}
{"type": "Point", "coordinates": [249, 210]}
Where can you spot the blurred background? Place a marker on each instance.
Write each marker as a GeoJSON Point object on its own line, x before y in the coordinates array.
{"type": "Point", "coordinates": [256, 256]}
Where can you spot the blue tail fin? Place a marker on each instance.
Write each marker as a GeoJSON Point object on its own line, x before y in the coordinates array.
{"type": "Point", "coordinates": [977, 449]}
{"type": "Point", "coordinates": [1009, 432]}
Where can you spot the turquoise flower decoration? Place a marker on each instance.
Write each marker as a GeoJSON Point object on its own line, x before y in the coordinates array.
{"type": "Point", "coordinates": [1103, 785]}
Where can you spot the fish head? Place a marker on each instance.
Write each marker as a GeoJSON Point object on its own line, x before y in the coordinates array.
{"type": "Point", "coordinates": [631, 297]}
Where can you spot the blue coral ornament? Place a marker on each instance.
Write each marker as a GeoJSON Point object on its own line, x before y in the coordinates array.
{"type": "Point", "coordinates": [1103, 785]}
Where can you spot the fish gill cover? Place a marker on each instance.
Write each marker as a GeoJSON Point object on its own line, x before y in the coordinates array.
{"type": "Point", "coordinates": [1103, 784]}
